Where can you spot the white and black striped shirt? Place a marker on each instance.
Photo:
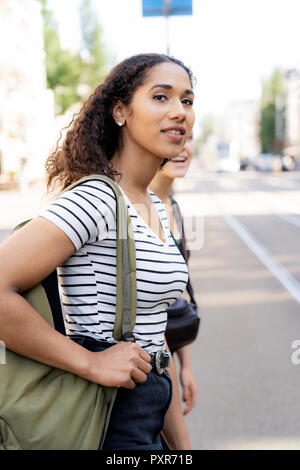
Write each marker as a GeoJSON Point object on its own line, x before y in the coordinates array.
{"type": "Point", "coordinates": [88, 278]}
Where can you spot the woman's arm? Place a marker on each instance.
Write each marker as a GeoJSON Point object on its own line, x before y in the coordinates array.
{"type": "Point", "coordinates": [175, 432]}
{"type": "Point", "coordinates": [27, 257]}
{"type": "Point", "coordinates": [187, 379]}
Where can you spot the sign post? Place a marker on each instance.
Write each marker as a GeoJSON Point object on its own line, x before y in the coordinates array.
{"type": "Point", "coordinates": [167, 5]}
{"type": "Point", "coordinates": [167, 8]}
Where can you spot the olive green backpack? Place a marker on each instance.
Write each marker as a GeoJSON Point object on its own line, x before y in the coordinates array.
{"type": "Point", "coordinates": [44, 408]}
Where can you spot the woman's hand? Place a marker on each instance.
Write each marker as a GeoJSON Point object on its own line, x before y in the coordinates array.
{"type": "Point", "coordinates": [189, 388]}
{"type": "Point", "coordinates": [187, 379]}
{"type": "Point", "coordinates": [122, 365]}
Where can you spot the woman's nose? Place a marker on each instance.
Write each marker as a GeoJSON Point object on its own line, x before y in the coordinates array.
{"type": "Point", "coordinates": [177, 110]}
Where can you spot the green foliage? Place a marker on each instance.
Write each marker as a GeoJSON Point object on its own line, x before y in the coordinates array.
{"type": "Point", "coordinates": [207, 127]}
{"type": "Point", "coordinates": [63, 68]}
{"type": "Point", "coordinates": [267, 127]}
{"type": "Point", "coordinates": [267, 132]}
{"type": "Point", "coordinates": [67, 71]}
{"type": "Point", "coordinates": [95, 67]}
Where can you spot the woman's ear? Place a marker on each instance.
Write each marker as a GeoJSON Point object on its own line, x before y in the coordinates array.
{"type": "Point", "coordinates": [118, 113]}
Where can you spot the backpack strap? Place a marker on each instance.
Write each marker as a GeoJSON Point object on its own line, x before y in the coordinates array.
{"type": "Point", "coordinates": [50, 285]}
{"type": "Point", "coordinates": [126, 263]}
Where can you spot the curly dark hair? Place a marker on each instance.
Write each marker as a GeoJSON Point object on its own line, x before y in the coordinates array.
{"type": "Point", "coordinates": [93, 136]}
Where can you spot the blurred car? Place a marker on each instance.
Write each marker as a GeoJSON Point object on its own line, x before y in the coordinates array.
{"type": "Point", "coordinates": [227, 165]}
{"type": "Point", "coordinates": [268, 162]}
{"type": "Point", "coordinates": [226, 158]}
{"type": "Point", "coordinates": [246, 164]}
{"type": "Point", "coordinates": [288, 163]}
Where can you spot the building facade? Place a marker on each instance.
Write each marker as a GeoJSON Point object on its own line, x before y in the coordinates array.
{"type": "Point", "coordinates": [26, 106]}
{"type": "Point", "coordinates": [292, 113]}
{"type": "Point", "coordinates": [241, 126]}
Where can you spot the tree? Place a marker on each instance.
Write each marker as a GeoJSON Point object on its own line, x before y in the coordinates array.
{"type": "Point", "coordinates": [92, 48]}
{"type": "Point", "coordinates": [271, 114]}
{"type": "Point", "coordinates": [72, 75]}
{"type": "Point", "coordinates": [207, 127]}
{"type": "Point", "coordinates": [63, 68]}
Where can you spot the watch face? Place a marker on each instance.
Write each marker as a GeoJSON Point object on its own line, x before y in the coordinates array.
{"type": "Point", "coordinates": [162, 361]}
{"type": "Point", "coordinates": [157, 363]}
{"type": "Point", "coordinates": [165, 360]}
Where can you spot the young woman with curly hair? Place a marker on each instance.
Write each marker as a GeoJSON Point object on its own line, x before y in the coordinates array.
{"type": "Point", "coordinates": [140, 115]}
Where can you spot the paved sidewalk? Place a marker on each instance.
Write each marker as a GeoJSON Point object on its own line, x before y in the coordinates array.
{"type": "Point", "coordinates": [17, 206]}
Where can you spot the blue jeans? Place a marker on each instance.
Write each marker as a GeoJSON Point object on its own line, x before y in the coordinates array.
{"type": "Point", "coordinates": [138, 415]}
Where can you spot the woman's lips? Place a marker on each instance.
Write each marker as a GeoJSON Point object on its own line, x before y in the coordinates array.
{"type": "Point", "coordinates": [174, 137]}
{"type": "Point", "coordinates": [174, 133]}
{"type": "Point", "coordinates": [180, 162]}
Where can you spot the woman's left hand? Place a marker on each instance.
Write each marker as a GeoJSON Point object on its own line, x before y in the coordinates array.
{"type": "Point", "coordinates": [189, 388]}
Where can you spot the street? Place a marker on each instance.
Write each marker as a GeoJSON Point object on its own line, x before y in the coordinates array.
{"type": "Point", "coordinates": [247, 279]}
{"type": "Point", "coordinates": [246, 274]}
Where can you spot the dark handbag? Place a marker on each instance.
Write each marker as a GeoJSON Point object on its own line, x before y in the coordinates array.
{"type": "Point", "coordinates": [183, 323]}
{"type": "Point", "coordinates": [183, 319]}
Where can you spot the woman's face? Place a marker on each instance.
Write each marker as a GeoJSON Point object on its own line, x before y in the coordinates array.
{"type": "Point", "coordinates": [178, 166]}
{"type": "Point", "coordinates": [160, 116]}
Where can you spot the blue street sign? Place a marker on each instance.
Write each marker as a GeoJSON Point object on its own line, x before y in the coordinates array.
{"type": "Point", "coordinates": [167, 7]}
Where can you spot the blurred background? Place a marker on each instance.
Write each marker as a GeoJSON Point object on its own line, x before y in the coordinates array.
{"type": "Point", "coordinates": [244, 181]}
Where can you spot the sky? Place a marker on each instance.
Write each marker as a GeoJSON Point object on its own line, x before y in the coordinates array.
{"type": "Point", "coordinates": [230, 45]}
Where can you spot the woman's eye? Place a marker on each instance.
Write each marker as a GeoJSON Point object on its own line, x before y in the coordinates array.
{"type": "Point", "coordinates": [188, 101]}
{"type": "Point", "coordinates": [160, 97]}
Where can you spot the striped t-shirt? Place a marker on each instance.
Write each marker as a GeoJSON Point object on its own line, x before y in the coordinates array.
{"type": "Point", "coordinates": [87, 215]}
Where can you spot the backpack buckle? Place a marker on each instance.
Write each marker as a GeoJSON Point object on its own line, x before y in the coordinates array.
{"type": "Point", "coordinates": [129, 337]}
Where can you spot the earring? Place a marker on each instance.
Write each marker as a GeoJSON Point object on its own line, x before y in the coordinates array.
{"type": "Point", "coordinates": [120, 123]}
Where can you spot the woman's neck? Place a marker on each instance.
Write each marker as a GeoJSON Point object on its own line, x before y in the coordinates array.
{"type": "Point", "coordinates": [137, 170]}
{"type": "Point", "coordinates": [161, 185]}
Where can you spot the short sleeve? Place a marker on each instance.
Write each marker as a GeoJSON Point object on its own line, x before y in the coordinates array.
{"type": "Point", "coordinates": [86, 213]}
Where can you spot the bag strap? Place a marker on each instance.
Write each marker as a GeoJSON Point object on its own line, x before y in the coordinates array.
{"type": "Point", "coordinates": [126, 263]}
{"type": "Point", "coordinates": [182, 246]}
{"type": "Point", "coordinates": [179, 221]}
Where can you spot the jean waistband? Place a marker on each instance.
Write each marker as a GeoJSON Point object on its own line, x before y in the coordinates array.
{"type": "Point", "coordinates": [88, 341]}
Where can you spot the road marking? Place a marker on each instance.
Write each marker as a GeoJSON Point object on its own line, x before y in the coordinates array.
{"type": "Point", "coordinates": [283, 204]}
{"type": "Point", "coordinates": [283, 276]}
{"type": "Point", "coordinates": [291, 219]}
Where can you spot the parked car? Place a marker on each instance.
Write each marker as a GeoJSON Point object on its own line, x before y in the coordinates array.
{"type": "Point", "coordinates": [288, 163]}
{"type": "Point", "coordinates": [246, 164]}
{"type": "Point", "coordinates": [268, 162]}
{"type": "Point", "coordinates": [226, 158]}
